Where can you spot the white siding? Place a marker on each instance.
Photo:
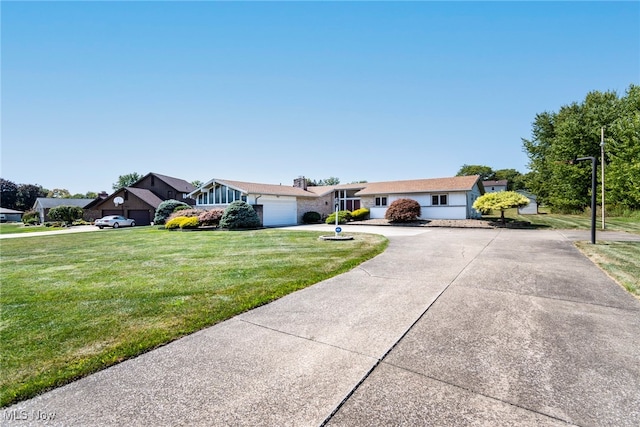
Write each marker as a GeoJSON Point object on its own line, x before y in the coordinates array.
{"type": "Point", "coordinates": [456, 208]}
{"type": "Point", "coordinates": [279, 211]}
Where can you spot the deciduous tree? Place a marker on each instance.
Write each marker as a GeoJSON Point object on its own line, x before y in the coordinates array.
{"type": "Point", "coordinates": [126, 180]}
{"type": "Point", "coordinates": [485, 172]}
{"type": "Point", "coordinates": [501, 201]}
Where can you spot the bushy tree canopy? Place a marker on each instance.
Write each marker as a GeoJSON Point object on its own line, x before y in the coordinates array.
{"type": "Point", "coordinates": [575, 131]}
{"type": "Point", "coordinates": [126, 180]}
{"type": "Point", "coordinates": [67, 214]}
{"type": "Point", "coordinates": [500, 200]}
{"type": "Point", "coordinates": [485, 172]}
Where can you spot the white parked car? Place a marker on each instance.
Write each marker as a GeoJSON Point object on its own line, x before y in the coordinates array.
{"type": "Point", "coordinates": [114, 221]}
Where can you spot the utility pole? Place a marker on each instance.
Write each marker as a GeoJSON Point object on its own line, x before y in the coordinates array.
{"type": "Point", "coordinates": [602, 163]}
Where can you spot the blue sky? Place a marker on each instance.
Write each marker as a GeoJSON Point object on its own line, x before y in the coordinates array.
{"type": "Point", "coordinates": [268, 91]}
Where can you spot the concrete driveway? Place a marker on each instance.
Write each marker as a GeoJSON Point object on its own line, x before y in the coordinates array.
{"type": "Point", "coordinates": [446, 327]}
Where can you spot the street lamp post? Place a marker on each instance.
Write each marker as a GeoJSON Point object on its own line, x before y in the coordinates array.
{"type": "Point", "coordinates": [593, 194]}
{"type": "Point", "coordinates": [602, 179]}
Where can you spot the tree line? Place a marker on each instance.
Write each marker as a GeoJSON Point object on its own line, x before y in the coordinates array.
{"type": "Point", "coordinates": [575, 131]}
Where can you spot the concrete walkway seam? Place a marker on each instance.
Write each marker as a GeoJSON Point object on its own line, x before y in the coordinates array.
{"type": "Point", "coordinates": [404, 334]}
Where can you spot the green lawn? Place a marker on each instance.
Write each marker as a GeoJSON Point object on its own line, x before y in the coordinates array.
{"type": "Point", "coordinates": [620, 259]}
{"type": "Point", "coordinates": [557, 221]}
{"type": "Point", "coordinates": [18, 227]}
{"type": "Point", "coordinates": [76, 303]}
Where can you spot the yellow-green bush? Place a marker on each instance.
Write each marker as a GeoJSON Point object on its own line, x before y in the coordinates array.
{"type": "Point", "coordinates": [190, 222]}
{"type": "Point", "coordinates": [174, 223]}
{"type": "Point", "coordinates": [360, 214]}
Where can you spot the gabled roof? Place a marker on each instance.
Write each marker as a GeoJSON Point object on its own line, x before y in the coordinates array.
{"type": "Point", "coordinates": [489, 183]}
{"type": "Point", "coordinates": [256, 188]}
{"type": "Point", "coordinates": [457, 183]}
{"type": "Point", "coordinates": [146, 196]}
{"type": "Point", "coordinates": [180, 185]}
{"type": "Point", "coordinates": [52, 202]}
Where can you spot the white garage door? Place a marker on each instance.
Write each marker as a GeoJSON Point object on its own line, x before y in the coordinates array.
{"type": "Point", "coordinates": [280, 211]}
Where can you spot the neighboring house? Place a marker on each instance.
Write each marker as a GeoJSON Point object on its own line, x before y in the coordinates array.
{"type": "Point", "coordinates": [532, 207]}
{"type": "Point", "coordinates": [495, 186]}
{"type": "Point", "coordinates": [276, 205]}
{"type": "Point", "coordinates": [10, 215]}
{"type": "Point", "coordinates": [140, 200]}
{"type": "Point", "coordinates": [441, 198]}
{"type": "Point", "coordinates": [43, 205]}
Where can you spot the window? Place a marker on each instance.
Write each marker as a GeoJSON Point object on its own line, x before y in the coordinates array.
{"type": "Point", "coordinates": [439, 199]}
{"type": "Point", "coordinates": [381, 201]}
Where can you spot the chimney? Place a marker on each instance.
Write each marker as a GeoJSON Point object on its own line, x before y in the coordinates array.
{"type": "Point", "coordinates": [300, 182]}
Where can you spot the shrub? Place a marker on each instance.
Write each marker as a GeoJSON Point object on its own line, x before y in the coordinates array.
{"type": "Point", "coordinates": [189, 222]}
{"type": "Point", "coordinates": [30, 217]}
{"type": "Point", "coordinates": [403, 210]}
{"type": "Point", "coordinates": [311, 217]}
{"type": "Point", "coordinates": [66, 214]}
{"type": "Point", "coordinates": [211, 217]}
{"type": "Point", "coordinates": [165, 209]}
{"type": "Point", "coordinates": [174, 223]}
{"type": "Point", "coordinates": [360, 214]}
{"type": "Point", "coordinates": [184, 211]}
{"type": "Point", "coordinates": [239, 214]}
{"type": "Point", "coordinates": [343, 217]}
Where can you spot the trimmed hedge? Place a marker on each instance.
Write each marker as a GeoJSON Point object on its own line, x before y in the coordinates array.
{"type": "Point", "coordinates": [343, 217]}
{"type": "Point", "coordinates": [211, 217]}
{"type": "Point", "coordinates": [311, 217]}
{"type": "Point", "coordinates": [360, 214]}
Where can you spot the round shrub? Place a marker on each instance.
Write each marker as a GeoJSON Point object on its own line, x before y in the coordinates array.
{"type": "Point", "coordinates": [403, 210]}
{"type": "Point", "coordinates": [189, 222]}
{"type": "Point", "coordinates": [211, 217]}
{"type": "Point", "coordinates": [360, 214]}
{"type": "Point", "coordinates": [343, 217]}
{"type": "Point", "coordinates": [165, 209]}
{"type": "Point", "coordinates": [239, 214]}
{"type": "Point", "coordinates": [311, 217]}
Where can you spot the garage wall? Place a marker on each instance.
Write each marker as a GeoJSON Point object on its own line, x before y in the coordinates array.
{"type": "Point", "coordinates": [278, 211]}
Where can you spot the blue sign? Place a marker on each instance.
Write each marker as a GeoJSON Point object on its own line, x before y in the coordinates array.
{"type": "Point", "coordinates": [338, 229]}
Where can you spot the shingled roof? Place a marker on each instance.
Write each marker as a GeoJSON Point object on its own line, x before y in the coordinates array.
{"type": "Point", "coordinates": [52, 202]}
{"type": "Point", "coordinates": [457, 183]}
{"type": "Point", "coordinates": [180, 185]}
{"type": "Point", "coordinates": [265, 189]}
{"type": "Point", "coordinates": [146, 196]}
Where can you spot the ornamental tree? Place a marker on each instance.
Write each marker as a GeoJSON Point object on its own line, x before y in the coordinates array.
{"type": "Point", "coordinates": [501, 200]}
{"type": "Point", "coordinates": [403, 210]}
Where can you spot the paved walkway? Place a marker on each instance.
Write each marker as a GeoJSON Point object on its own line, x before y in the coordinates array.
{"type": "Point", "coordinates": [446, 327]}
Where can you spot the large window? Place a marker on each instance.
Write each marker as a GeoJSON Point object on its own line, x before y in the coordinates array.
{"type": "Point", "coordinates": [220, 195]}
{"type": "Point", "coordinates": [439, 200]}
{"type": "Point", "coordinates": [381, 200]}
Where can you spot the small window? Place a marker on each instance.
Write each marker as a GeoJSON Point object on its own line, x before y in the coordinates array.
{"type": "Point", "coordinates": [439, 200]}
{"type": "Point", "coordinates": [381, 201]}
